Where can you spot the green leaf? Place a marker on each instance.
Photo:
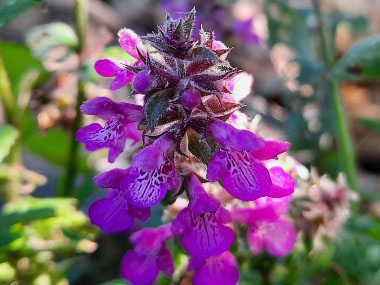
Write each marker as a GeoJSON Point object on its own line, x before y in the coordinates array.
{"type": "Point", "coordinates": [43, 38]}
{"type": "Point", "coordinates": [10, 9]}
{"type": "Point", "coordinates": [361, 62]}
{"type": "Point", "coordinates": [18, 60]}
{"type": "Point", "coordinates": [373, 125]}
{"type": "Point", "coordinates": [200, 148]}
{"type": "Point", "coordinates": [155, 108]}
{"type": "Point", "coordinates": [9, 219]}
{"type": "Point", "coordinates": [8, 136]}
{"type": "Point", "coordinates": [115, 282]}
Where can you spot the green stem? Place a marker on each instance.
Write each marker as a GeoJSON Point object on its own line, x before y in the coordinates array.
{"type": "Point", "coordinates": [81, 18]}
{"type": "Point", "coordinates": [346, 149]}
{"type": "Point", "coordinates": [6, 92]}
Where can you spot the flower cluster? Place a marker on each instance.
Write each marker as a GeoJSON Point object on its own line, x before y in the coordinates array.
{"type": "Point", "coordinates": [191, 93]}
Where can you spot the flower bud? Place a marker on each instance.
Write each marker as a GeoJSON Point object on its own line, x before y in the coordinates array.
{"type": "Point", "coordinates": [142, 81]}
{"type": "Point", "coordinates": [190, 98]}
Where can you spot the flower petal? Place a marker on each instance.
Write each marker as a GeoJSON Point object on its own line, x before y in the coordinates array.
{"type": "Point", "coordinates": [139, 268]}
{"type": "Point", "coordinates": [111, 214]}
{"type": "Point", "coordinates": [230, 137]}
{"type": "Point", "coordinates": [111, 179]}
{"type": "Point", "coordinates": [282, 183]}
{"type": "Point", "coordinates": [220, 269]}
{"type": "Point", "coordinates": [280, 238]}
{"type": "Point", "coordinates": [165, 261]}
{"type": "Point", "coordinates": [241, 85]}
{"type": "Point", "coordinates": [208, 237]}
{"type": "Point", "coordinates": [147, 188]}
{"type": "Point", "coordinates": [201, 201]}
{"type": "Point", "coordinates": [255, 241]}
{"type": "Point", "coordinates": [107, 68]}
{"type": "Point", "coordinates": [151, 239]}
{"type": "Point", "coordinates": [122, 79]}
{"type": "Point", "coordinates": [130, 41]}
{"type": "Point", "coordinates": [271, 150]}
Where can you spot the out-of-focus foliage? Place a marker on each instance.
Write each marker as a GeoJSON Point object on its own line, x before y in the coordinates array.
{"type": "Point", "coordinates": [10, 9]}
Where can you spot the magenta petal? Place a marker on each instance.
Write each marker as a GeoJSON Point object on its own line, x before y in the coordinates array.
{"type": "Point", "coordinates": [111, 179]}
{"type": "Point", "coordinates": [251, 215]}
{"type": "Point", "coordinates": [271, 150]}
{"type": "Point", "coordinates": [282, 183]}
{"type": "Point", "coordinates": [139, 268]}
{"type": "Point", "coordinates": [122, 79]}
{"type": "Point", "coordinates": [221, 269]}
{"type": "Point", "coordinates": [130, 41]}
{"type": "Point", "coordinates": [110, 214]}
{"type": "Point", "coordinates": [201, 201]}
{"type": "Point", "coordinates": [85, 134]}
{"type": "Point", "coordinates": [147, 188]}
{"type": "Point", "coordinates": [151, 239]}
{"type": "Point", "coordinates": [133, 133]}
{"type": "Point", "coordinates": [255, 241]}
{"type": "Point", "coordinates": [217, 167]}
{"type": "Point", "coordinates": [182, 222]}
{"type": "Point", "coordinates": [142, 214]}
{"type": "Point", "coordinates": [107, 68]}
{"type": "Point", "coordinates": [245, 179]}
{"type": "Point", "coordinates": [153, 156]}
{"type": "Point", "coordinates": [230, 137]}
{"type": "Point", "coordinates": [165, 261]}
{"type": "Point", "coordinates": [280, 238]}
{"type": "Point", "coordinates": [208, 236]}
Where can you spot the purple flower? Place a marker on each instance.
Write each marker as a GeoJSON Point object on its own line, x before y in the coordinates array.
{"type": "Point", "coordinates": [271, 150]}
{"type": "Point", "coordinates": [219, 269]}
{"type": "Point", "coordinates": [130, 42]}
{"type": "Point", "coordinates": [243, 176]}
{"type": "Point", "coordinates": [244, 30]}
{"type": "Point", "coordinates": [115, 131]}
{"type": "Point", "coordinates": [142, 265]}
{"type": "Point", "coordinates": [201, 224]}
{"type": "Point", "coordinates": [152, 173]}
{"type": "Point", "coordinates": [282, 183]}
{"type": "Point", "coordinates": [267, 228]}
{"type": "Point", "coordinates": [114, 68]}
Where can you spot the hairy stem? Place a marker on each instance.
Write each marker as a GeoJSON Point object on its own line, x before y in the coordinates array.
{"type": "Point", "coordinates": [81, 19]}
{"type": "Point", "coordinates": [346, 149]}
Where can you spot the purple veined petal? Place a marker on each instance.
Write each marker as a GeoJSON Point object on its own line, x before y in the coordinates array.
{"type": "Point", "coordinates": [154, 155]}
{"type": "Point", "coordinates": [182, 222]}
{"type": "Point", "coordinates": [282, 183]}
{"type": "Point", "coordinates": [142, 214]}
{"type": "Point", "coordinates": [105, 108]}
{"type": "Point", "coordinates": [244, 178]}
{"type": "Point", "coordinates": [130, 41]}
{"type": "Point", "coordinates": [147, 188]}
{"type": "Point", "coordinates": [111, 214]}
{"type": "Point", "coordinates": [271, 150]}
{"type": "Point", "coordinates": [220, 269]}
{"type": "Point", "coordinates": [208, 236]}
{"type": "Point", "coordinates": [223, 216]}
{"type": "Point", "coordinates": [142, 81]}
{"type": "Point", "coordinates": [280, 237]}
{"type": "Point", "coordinates": [251, 215]}
{"type": "Point", "coordinates": [217, 167]}
{"type": "Point", "coordinates": [112, 136]}
{"type": "Point", "coordinates": [111, 179]}
{"type": "Point", "coordinates": [107, 68]}
{"type": "Point", "coordinates": [133, 133]}
{"type": "Point", "coordinates": [122, 79]}
{"type": "Point", "coordinates": [230, 137]}
{"type": "Point", "coordinates": [151, 239]}
{"type": "Point", "coordinates": [165, 261]}
{"type": "Point", "coordinates": [196, 263]}
{"type": "Point", "coordinates": [139, 268]}
{"type": "Point", "coordinates": [255, 240]}
{"type": "Point", "coordinates": [201, 201]}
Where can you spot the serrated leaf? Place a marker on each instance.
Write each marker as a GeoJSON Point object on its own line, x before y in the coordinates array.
{"type": "Point", "coordinates": [199, 148]}
{"type": "Point", "coordinates": [361, 62]}
{"type": "Point", "coordinates": [203, 54]}
{"type": "Point", "coordinates": [10, 9]}
{"type": "Point", "coordinates": [189, 23]}
{"type": "Point", "coordinates": [155, 107]}
{"type": "Point", "coordinates": [8, 136]}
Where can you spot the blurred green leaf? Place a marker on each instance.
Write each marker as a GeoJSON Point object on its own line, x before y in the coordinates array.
{"type": "Point", "coordinates": [43, 38]}
{"type": "Point", "coordinates": [18, 60]}
{"type": "Point", "coordinates": [115, 282]}
{"type": "Point", "coordinates": [10, 9]}
{"type": "Point", "coordinates": [10, 219]}
{"type": "Point", "coordinates": [8, 136]}
{"type": "Point", "coordinates": [361, 62]}
{"type": "Point", "coordinates": [372, 124]}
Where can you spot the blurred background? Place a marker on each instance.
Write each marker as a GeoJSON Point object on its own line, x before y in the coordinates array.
{"type": "Point", "coordinates": [310, 59]}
